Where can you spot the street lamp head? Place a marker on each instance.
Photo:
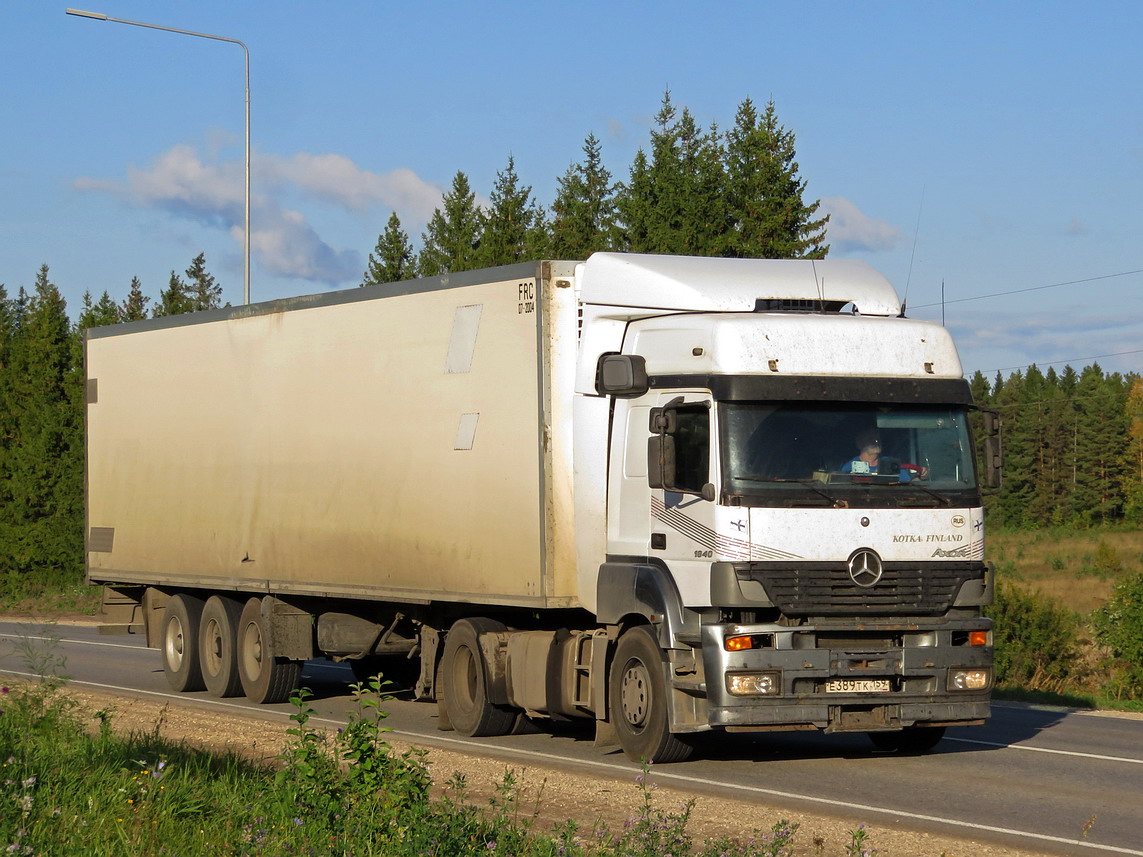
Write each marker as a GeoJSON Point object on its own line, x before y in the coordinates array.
{"type": "Point", "coordinates": [99, 16]}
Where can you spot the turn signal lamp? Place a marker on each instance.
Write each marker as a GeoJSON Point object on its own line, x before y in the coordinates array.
{"type": "Point", "coordinates": [978, 638]}
{"type": "Point", "coordinates": [748, 641]}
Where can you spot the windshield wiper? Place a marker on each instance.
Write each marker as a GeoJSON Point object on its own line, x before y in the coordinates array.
{"type": "Point", "coordinates": [940, 497]}
{"type": "Point", "coordinates": [808, 483]}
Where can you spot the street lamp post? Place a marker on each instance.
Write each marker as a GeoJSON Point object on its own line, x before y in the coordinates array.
{"type": "Point", "coordinates": [246, 245]}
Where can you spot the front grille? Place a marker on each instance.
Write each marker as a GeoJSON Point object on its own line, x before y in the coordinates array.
{"type": "Point", "coordinates": [826, 589]}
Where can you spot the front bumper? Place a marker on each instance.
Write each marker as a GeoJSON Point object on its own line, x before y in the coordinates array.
{"type": "Point", "coordinates": [911, 664]}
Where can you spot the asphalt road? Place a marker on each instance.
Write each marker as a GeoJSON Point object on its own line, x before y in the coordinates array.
{"type": "Point", "coordinates": [1032, 778]}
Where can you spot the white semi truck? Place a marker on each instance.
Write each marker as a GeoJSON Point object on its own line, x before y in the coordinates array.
{"type": "Point", "coordinates": [628, 489]}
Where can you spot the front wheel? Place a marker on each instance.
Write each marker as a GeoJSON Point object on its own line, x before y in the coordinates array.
{"type": "Point", "coordinates": [638, 700]}
{"type": "Point", "coordinates": [264, 677]}
{"type": "Point", "coordinates": [915, 739]}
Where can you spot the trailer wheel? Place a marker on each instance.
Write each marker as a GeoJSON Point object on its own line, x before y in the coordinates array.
{"type": "Point", "coordinates": [264, 677]}
{"type": "Point", "coordinates": [181, 620]}
{"type": "Point", "coordinates": [915, 739]}
{"type": "Point", "coordinates": [465, 682]}
{"type": "Point", "coordinates": [638, 700]}
{"type": "Point", "coordinates": [217, 646]}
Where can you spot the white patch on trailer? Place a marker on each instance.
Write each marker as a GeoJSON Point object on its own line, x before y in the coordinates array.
{"type": "Point", "coordinates": [466, 431]}
{"type": "Point", "coordinates": [462, 343]}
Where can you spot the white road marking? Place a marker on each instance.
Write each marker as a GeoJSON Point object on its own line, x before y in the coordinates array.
{"type": "Point", "coordinates": [627, 770]}
{"type": "Point", "coordinates": [1046, 750]}
{"type": "Point", "coordinates": [66, 640]}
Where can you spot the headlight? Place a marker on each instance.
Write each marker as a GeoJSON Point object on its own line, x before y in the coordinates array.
{"type": "Point", "coordinates": [969, 679]}
{"type": "Point", "coordinates": [754, 684]}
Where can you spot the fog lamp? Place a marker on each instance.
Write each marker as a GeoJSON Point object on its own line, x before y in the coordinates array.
{"type": "Point", "coordinates": [754, 684]}
{"type": "Point", "coordinates": [969, 679]}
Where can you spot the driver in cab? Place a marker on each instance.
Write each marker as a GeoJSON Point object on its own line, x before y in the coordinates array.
{"type": "Point", "coordinates": [869, 462]}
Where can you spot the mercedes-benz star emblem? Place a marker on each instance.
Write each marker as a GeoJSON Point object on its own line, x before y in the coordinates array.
{"type": "Point", "coordinates": [865, 568]}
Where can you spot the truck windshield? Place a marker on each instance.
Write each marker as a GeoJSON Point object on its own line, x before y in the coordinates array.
{"type": "Point", "coordinates": [822, 452]}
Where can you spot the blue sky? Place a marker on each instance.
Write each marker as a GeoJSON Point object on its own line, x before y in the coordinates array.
{"type": "Point", "coordinates": [993, 147]}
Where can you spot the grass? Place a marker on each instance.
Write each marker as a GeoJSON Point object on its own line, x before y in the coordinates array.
{"type": "Point", "coordinates": [70, 785]}
{"type": "Point", "coordinates": [51, 597]}
{"type": "Point", "coordinates": [1078, 568]}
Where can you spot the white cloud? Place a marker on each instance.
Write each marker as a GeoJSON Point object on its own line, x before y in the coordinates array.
{"type": "Point", "coordinates": [287, 245]}
{"type": "Point", "coordinates": [181, 182]}
{"type": "Point", "coordinates": [851, 229]}
{"type": "Point", "coordinates": [336, 179]}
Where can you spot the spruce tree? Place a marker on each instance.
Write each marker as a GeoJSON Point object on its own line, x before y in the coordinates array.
{"type": "Point", "coordinates": [8, 332]}
{"type": "Point", "coordinates": [583, 213]}
{"type": "Point", "coordinates": [41, 539]}
{"type": "Point", "coordinates": [104, 311]}
{"type": "Point", "coordinates": [452, 239]}
{"type": "Point", "coordinates": [672, 202]}
{"type": "Point", "coordinates": [1133, 469]}
{"type": "Point", "coordinates": [513, 224]}
{"type": "Point", "coordinates": [202, 290]}
{"type": "Point", "coordinates": [173, 300]}
{"type": "Point", "coordinates": [770, 218]}
{"type": "Point", "coordinates": [134, 307]}
{"type": "Point", "coordinates": [675, 198]}
{"type": "Point", "coordinates": [704, 215]}
{"type": "Point", "coordinates": [635, 204]}
{"type": "Point", "coordinates": [1017, 441]}
{"type": "Point", "coordinates": [1100, 439]}
{"type": "Point", "coordinates": [392, 260]}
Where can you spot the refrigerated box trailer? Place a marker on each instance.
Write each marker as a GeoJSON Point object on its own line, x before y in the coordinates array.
{"type": "Point", "coordinates": [636, 489]}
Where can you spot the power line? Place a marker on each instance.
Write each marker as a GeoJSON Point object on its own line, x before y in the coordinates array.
{"type": "Point", "coordinates": [1033, 289]}
{"type": "Point", "coordinates": [1057, 362]}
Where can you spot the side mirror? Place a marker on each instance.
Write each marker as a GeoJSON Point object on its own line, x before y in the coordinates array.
{"type": "Point", "coordinates": [621, 375]}
{"type": "Point", "coordinates": [993, 462]}
{"type": "Point", "coordinates": [991, 423]}
{"type": "Point", "coordinates": [661, 461]}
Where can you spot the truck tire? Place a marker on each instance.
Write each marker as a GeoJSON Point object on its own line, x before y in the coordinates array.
{"type": "Point", "coordinates": [915, 739]}
{"type": "Point", "coordinates": [637, 693]}
{"type": "Point", "coordinates": [179, 643]}
{"type": "Point", "coordinates": [464, 682]}
{"type": "Point", "coordinates": [217, 646]}
{"type": "Point", "coordinates": [264, 677]}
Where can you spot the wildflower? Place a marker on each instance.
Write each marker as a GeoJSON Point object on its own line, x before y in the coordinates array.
{"type": "Point", "coordinates": [298, 822]}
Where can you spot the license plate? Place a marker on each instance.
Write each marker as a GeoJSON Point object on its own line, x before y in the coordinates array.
{"type": "Point", "coordinates": [847, 685]}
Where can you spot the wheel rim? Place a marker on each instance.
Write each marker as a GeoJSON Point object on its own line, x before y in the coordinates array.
{"type": "Point", "coordinates": [251, 650]}
{"type": "Point", "coordinates": [174, 643]}
{"type": "Point", "coordinates": [635, 693]}
{"type": "Point", "coordinates": [213, 649]}
{"type": "Point", "coordinates": [467, 681]}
